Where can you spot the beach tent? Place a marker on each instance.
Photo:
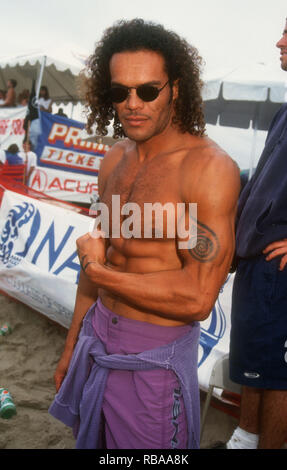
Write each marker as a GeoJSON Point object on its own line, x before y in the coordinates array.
{"type": "Point", "coordinates": [246, 97]}
{"type": "Point", "coordinates": [55, 68]}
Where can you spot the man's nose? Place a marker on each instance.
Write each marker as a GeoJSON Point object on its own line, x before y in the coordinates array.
{"type": "Point", "coordinates": [133, 101]}
{"type": "Point", "coordinates": [278, 43]}
{"type": "Point", "coordinates": [282, 42]}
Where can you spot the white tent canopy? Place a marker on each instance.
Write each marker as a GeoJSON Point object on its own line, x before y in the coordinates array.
{"type": "Point", "coordinates": [57, 69]}
{"type": "Point", "coordinates": [246, 97]}
{"type": "Point", "coordinates": [250, 82]}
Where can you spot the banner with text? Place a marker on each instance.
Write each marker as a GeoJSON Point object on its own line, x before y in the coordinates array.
{"type": "Point", "coordinates": [68, 164]}
{"type": "Point", "coordinates": [11, 126]}
{"type": "Point", "coordinates": [38, 260]}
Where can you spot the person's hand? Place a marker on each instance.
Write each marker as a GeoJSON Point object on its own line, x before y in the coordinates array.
{"type": "Point", "coordinates": [62, 368]}
{"type": "Point", "coordinates": [91, 248]}
{"type": "Point", "coordinates": [275, 249]}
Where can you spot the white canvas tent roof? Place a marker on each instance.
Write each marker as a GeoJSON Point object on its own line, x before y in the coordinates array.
{"type": "Point", "coordinates": [246, 96]}
{"type": "Point", "coordinates": [57, 69]}
{"type": "Point", "coordinates": [249, 82]}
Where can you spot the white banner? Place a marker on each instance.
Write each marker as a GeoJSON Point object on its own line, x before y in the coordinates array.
{"type": "Point", "coordinates": [11, 126]}
{"type": "Point", "coordinates": [64, 185]}
{"type": "Point", "coordinates": [38, 260]}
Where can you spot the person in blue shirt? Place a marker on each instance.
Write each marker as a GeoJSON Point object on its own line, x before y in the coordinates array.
{"type": "Point", "coordinates": [12, 164]}
{"type": "Point", "coordinates": [258, 343]}
{"type": "Point", "coordinates": [11, 155]}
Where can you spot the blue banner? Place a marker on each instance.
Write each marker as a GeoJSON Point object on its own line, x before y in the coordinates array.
{"type": "Point", "coordinates": [61, 146]}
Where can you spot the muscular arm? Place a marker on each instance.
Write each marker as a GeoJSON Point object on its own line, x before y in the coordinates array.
{"type": "Point", "coordinates": [87, 294]}
{"type": "Point", "coordinates": [187, 293]}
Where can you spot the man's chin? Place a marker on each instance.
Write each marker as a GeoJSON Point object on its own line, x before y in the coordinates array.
{"type": "Point", "coordinates": [136, 136]}
{"type": "Point", "coordinates": [284, 64]}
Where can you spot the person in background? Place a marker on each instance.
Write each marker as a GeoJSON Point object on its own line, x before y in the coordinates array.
{"type": "Point", "coordinates": [44, 100]}
{"type": "Point", "coordinates": [23, 97]}
{"type": "Point", "coordinates": [44, 104]}
{"type": "Point", "coordinates": [61, 113]}
{"type": "Point", "coordinates": [11, 155]}
{"type": "Point", "coordinates": [29, 158]}
{"type": "Point", "coordinates": [10, 99]}
{"type": "Point", "coordinates": [258, 342]}
{"type": "Point", "coordinates": [12, 164]}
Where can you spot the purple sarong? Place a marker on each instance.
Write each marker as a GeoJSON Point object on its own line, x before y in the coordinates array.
{"type": "Point", "coordinates": [109, 374]}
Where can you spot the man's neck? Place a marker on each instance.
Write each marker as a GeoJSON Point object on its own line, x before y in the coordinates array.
{"type": "Point", "coordinates": [165, 141]}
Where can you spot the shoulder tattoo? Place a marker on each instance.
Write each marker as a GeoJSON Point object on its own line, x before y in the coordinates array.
{"type": "Point", "coordinates": [207, 244]}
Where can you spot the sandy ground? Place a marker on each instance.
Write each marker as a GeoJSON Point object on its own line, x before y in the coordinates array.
{"type": "Point", "coordinates": [28, 358]}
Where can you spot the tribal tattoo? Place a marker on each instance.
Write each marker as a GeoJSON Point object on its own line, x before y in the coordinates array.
{"type": "Point", "coordinates": [207, 245]}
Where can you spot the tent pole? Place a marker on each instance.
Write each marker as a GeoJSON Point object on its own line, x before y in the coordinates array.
{"type": "Point", "coordinates": [39, 82]}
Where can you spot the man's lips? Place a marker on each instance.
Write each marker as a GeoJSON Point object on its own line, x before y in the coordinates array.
{"type": "Point", "coordinates": [135, 120]}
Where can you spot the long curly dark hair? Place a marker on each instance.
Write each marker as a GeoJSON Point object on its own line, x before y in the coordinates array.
{"type": "Point", "coordinates": [182, 63]}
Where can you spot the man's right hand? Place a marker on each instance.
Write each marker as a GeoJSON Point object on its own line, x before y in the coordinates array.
{"type": "Point", "coordinates": [91, 248]}
{"type": "Point", "coordinates": [62, 368]}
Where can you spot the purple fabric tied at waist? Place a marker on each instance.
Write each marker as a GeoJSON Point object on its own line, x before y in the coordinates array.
{"type": "Point", "coordinates": [79, 401]}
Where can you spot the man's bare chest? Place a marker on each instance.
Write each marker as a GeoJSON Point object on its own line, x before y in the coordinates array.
{"type": "Point", "coordinates": [148, 183]}
{"type": "Point", "coordinates": [144, 198]}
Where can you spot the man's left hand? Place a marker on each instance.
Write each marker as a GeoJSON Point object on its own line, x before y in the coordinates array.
{"type": "Point", "coordinates": [275, 249]}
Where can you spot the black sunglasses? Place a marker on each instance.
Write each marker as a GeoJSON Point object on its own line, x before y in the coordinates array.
{"type": "Point", "coordinates": [119, 93]}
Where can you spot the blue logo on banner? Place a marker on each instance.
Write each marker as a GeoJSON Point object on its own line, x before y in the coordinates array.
{"type": "Point", "coordinates": [26, 217]}
{"type": "Point", "coordinates": [60, 147]}
{"type": "Point", "coordinates": [210, 337]}
{"type": "Point", "coordinates": [13, 249]}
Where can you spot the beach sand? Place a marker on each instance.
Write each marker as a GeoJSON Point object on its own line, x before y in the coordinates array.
{"type": "Point", "coordinates": [28, 358]}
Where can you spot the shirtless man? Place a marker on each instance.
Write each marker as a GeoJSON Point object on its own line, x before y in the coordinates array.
{"type": "Point", "coordinates": [150, 292]}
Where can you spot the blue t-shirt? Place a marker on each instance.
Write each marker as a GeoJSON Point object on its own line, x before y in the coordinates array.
{"type": "Point", "coordinates": [13, 158]}
{"type": "Point", "coordinates": [262, 207]}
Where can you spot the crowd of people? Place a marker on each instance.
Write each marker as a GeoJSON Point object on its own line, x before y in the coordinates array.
{"type": "Point", "coordinates": [23, 160]}
{"type": "Point", "coordinates": [9, 98]}
{"type": "Point", "coordinates": [15, 163]}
